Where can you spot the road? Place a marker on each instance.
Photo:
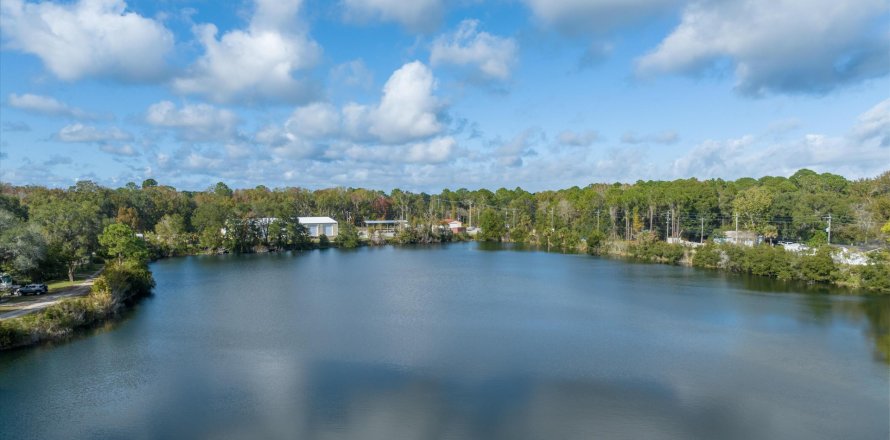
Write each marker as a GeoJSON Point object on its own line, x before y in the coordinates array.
{"type": "Point", "coordinates": [35, 303]}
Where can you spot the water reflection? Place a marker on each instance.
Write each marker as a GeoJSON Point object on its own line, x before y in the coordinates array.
{"type": "Point", "coordinates": [460, 342]}
{"type": "Point", "coordinates": [376, 402]}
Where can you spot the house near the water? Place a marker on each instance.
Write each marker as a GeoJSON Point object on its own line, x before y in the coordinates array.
{"type": "Point", "coordinates": [744, 238]}
{"type": "Point", "coordinates": [382, 228]}
{"type": "Point", "coordinates": [320, 225]}
{"type": "Point", "coordinates": [456, 226]}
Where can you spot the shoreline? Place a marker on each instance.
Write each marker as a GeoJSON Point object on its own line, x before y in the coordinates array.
{"type": "Point", "coordinates": [668, 254]}
{"type": "Point", "coordinates": [114, 293]}
{"type": "Point", "coordinates": [117, 289]}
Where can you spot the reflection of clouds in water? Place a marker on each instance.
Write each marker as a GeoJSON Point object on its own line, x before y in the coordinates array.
{"type": "Point", "coordinates": [609, 409]}
{"type": "Point", "coordinates": [267, 396]}
{"type": "Point", "coordinates": [445, 343]}
{"type": "Point", "coordinates": [361, 401]}
{"type": "Point", "coordinates": [247, 394]}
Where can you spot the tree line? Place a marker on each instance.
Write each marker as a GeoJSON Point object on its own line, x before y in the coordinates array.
{"type": "Point", "coordinates": [48, 232]}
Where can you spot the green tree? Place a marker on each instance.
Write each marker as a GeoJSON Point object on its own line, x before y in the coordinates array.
{"type": "Point", "coordinates": [71, 229]}
{"type": "Point", "coordinates": [347, 237]}
{"type": "Point", "coordinates": [128, 216]}
{"type": "Point", "coordinates": [119, 241]}
{"type": "Point", "coordinates": [170, 234]}
{"type": "Point", "coordinates": [770, 232]}
{"type": "Point", "coordinates": [209, 219]}
{"type": "Point", "coordinates": [595, 242]}
{"type": "Point", "coordinates": [819, 238]}
{"type": "Point", "coordinates": [222, 190]}
{"type": "Point", "coordinates": [297, 234]}
{"type": "Point", "coordinates": [22, 246]}
{"type": "Point", "coordinates": [492, 226]}
{"type": "Point", "coordinates": [751, 205]}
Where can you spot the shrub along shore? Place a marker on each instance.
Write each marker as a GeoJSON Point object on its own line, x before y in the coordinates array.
{"type": "Point", "coordinates": [817, 267]}
{"type": "Point", "coordinates": [119, 286]}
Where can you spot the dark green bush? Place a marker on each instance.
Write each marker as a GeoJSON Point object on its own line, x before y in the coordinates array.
{"type": "Point", "coordinates": [658, 251]}
{"type": "Point", "coordinates": [876, 274]}
{"type": "Point", "coordinates": [765, 260]}
{"type": "Point", "coordinates": [708, 256]}
{"type": "Point", "coordinates": [348, 237]}
{"type": "Point", "coordinates": [818, 267]}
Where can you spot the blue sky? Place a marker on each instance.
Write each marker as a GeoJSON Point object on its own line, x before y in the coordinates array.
{"type": "Point", "coordinates": [433, 94]}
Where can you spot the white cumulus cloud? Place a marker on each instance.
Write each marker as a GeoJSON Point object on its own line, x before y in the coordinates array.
{"type": "Point", "coordinates": [492, 56]}
{"type": "Point", "coordinates": [874, 124]}
{"type": "Point", "coordinates": [88, 38]}
{"type": "Point", "coordinates": [664, 137]}
{"type": "Point", "coordinates": [120, 150]}
{"type": "Point", "coordinates": [353, 74]}
{"type": "Point", "coordinates": [404, 127]}
{"type": "Point", "coordinates": [862, 152]}
{"type": "Point", "coordinates": [89, 134]}
{"type": "Point", "coordinates": [416, 15]}
{"type": "Point", "coordinates": [314, 121]}
{"type": "Point", "coordinates": [786, 46]}
{"type": "Point", "coordinates": [433, 151]}
{"type": "Point", "coordinates": [255, 64]}
{"type": "Point", "coordinates": [578, 139]}
{"type": "Point", "coordinates": [436, 150]}
{"type": "Point", "coordinates": [408, 109]}
{"type": "Point", "coordinates": [595, 16]}
{"type": "Point", "coordinates": [47, 106]}
{"type": "Point", "coordinates": [511, 153]}
{"type": "Point", "coordinates": [193, 122]}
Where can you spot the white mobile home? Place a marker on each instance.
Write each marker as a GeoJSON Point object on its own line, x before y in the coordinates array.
{"type": "Point", "coordinates": [320, 225]}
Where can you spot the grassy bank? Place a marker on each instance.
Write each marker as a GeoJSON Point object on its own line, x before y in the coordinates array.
{"type": "Point", "coordinates": [117, 288]}
{"type": "Point", "coordinates": [80, 275]}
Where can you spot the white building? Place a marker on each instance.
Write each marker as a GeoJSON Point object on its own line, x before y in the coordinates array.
{"type": "Point", "coordinates": [744, 238]}
{"type": "Point", "coordinates": [384, 228]}
{"type": "Point", "coordinates": [320, 225]}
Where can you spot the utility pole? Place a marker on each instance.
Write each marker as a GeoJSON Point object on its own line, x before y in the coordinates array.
{"type": "Point", "coordinates": [471, 213]}
{"type": "Point", "coordinates": [701, 237]}
{"type": "Point", "coordinates": [828, 229]}
{"type": "Point", "coordinates": [736, 228]}
{"type": "Point", "coordinates": [677, 225]}
{"type": "Point", "coordinates": [672, 223]}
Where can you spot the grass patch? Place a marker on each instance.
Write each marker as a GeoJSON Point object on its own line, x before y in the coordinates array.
{"type": "Point", "coordinates": [82, 274]}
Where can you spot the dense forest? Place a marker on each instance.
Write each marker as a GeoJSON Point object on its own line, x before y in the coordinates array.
{"type": "Point", "coordinates": [47, 232]}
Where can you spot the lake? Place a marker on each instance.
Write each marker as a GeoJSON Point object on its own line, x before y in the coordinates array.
{"type": "Point", "coordinates": [461, 341]}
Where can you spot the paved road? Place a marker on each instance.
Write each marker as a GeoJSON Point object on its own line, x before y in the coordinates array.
{"type": "Point", "coordinates": [43, 301]}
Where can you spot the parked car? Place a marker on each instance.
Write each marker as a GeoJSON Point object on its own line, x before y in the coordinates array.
{"type": "Point", "coordinates": [5, 281]}
{"type": "Point", "coordinates": [32, 289]}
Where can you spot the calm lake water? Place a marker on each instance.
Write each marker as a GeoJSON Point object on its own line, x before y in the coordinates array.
{"type": "Point", "coordinates": [459, 342]}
